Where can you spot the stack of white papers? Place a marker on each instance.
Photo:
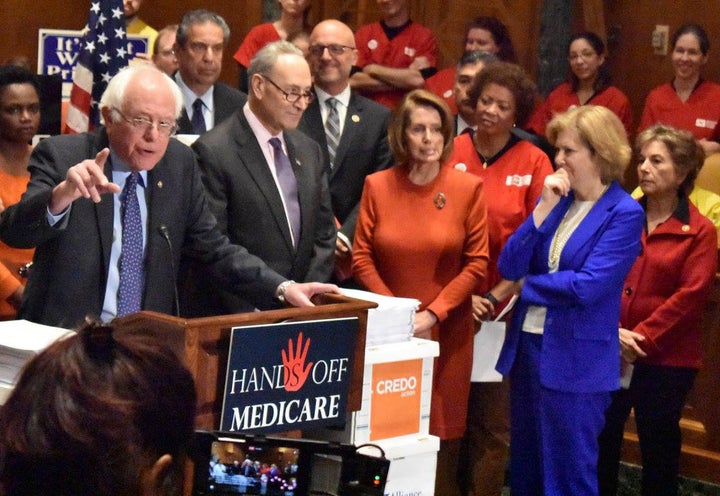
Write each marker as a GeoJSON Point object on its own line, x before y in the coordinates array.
{"type": "Point", "coordinates": [20, 340]}
{"type": "Point", "coordinates": [391, 321]}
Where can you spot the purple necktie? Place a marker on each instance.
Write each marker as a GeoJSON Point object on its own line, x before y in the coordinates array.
{"type": "Point", "coordinates": [132, 275]}
{"type": "Point", "coordinates": [288, 187]}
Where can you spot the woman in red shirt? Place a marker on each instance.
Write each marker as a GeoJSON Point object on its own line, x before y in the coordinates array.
{"type": "Point", "coordinates": [293, 20]}
{"type": "Point", "coordinates": [482, 34]}
{"type": "Point", "coordinates": [663, 299]}
{"type": "Point", "coordinates": [689, 101]}
{"type": "Point", "coordinates": [421, 233]}
{"type": "Point", "coordinates": [588, 83]}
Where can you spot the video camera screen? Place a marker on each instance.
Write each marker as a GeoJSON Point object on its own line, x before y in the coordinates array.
{"type": "Point", "coordinates": [244, 468]}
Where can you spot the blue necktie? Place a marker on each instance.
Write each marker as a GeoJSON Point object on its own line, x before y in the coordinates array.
{"type": "Point", "coordinates": [288, 186]}
{"type": "Point", "coordinates": [132, 274]}
{"type": "Point", "coordinates": [198, 121]}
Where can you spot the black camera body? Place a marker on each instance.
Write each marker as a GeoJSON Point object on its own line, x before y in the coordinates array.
{"type": "Point", "coordinates": [235, 463]}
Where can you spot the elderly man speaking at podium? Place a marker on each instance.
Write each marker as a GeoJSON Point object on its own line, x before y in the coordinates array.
{"type": "Point", "coordinates": [111, 212]}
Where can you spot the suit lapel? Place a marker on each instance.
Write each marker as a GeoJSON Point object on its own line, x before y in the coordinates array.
{"type": "Point", "coordinates": [592, 222]}
{"type": "Point", "coordinates": [104, 211]}
{"type": "Point", "coordinates": [184, 124]}
{"type": "Point", "coordinates": [300, 172]}
{"type": "Point", "coordinates": [314, 126]}
{"type": "Point", "coordinates": [353, 120]}
{"type": "Point", "coordinates": [251, 157]}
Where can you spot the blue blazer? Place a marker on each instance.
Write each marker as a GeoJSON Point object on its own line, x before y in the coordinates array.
{"type": "Point", "coordinates": [580, 349]}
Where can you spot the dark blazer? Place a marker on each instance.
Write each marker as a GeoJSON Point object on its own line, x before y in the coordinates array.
{"type": "Point", "coordinates": [248, 205]}
{"type": "Point", "coordinates": [363, 149]}
{"type": "Point", "coordinates": [68, 278]}
{"type": "Point", "coordinates": [226, 100]}
{"type": "Point", "coordinates": [581, 350]}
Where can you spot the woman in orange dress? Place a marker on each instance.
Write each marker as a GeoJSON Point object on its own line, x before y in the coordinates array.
{"type": "Point", "coordinates": [19, 122]}
{"type": "Point", "coordinates": [422, 233]}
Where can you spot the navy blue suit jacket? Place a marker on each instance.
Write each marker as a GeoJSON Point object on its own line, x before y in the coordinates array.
{"type": "Point", "coordinates": [363, 149]}
{"type": "Point", "coordinates": [226, 101]}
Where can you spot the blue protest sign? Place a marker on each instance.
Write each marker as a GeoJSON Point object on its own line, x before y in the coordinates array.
{"type": "Point", "coordinates": [288, 376]}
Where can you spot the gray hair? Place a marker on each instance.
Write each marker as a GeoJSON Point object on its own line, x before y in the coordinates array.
{"type": "Point", "coordinates": [476, 56]}
{"type": "Point", "coordinates": [266, 58]}
{"type": "Point", "coordinates": [200, 16]}
{"type": "Point", "coordinates": [114, 95]}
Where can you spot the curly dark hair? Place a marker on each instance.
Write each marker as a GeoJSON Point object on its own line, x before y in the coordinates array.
{"type": "Point", "coordinates": [515, 79]}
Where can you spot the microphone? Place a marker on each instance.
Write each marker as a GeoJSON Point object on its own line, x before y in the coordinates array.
{"type": "Point", "coordinates": [165, 232]}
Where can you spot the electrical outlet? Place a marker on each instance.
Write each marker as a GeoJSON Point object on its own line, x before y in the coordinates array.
{"type": "Point", "coordinates": [660, 39]}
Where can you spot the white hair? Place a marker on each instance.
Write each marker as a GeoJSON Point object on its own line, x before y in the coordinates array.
{"type": "Point", "coordinates": [114, 94]}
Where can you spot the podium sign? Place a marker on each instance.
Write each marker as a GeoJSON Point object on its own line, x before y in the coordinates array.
{"type": "Point", "coordinates": [288, 376]}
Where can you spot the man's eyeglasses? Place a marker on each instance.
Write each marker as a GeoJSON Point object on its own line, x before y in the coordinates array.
{"type": "Point", "coordinates": [334, 49]}
{"type": "Point", "coordinates": [164, 127]}
{"type": "Point", "coordinates": [293, 97]}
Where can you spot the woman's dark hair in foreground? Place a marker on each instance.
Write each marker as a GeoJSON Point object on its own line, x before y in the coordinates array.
{"type": "Point", "coordinates": [93, 413]}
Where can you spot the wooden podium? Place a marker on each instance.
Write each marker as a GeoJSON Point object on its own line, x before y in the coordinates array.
{"type": "Point", "coordinates": [204, 343]}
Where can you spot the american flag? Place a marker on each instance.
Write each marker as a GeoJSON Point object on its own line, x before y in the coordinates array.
{"type": "Point", "coordinates": [103, 52]}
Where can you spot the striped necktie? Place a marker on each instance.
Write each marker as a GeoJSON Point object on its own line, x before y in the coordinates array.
{"type": "Point", "coordinates": [332, 129]}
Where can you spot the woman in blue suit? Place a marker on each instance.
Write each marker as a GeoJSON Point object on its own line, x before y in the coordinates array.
{"type": "Point", "coordinates": [569, 260]}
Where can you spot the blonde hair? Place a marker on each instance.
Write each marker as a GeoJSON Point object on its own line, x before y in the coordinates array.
{"type": "Point", "coordinates": [602, 132]}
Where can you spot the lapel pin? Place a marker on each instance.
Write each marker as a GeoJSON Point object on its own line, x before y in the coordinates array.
{"type": "Point", "coordinates": [439, 201]}
{"type": "Point", "coordinates": [160, 184]}
{"type": "Point", "coordinates": [355, 118]}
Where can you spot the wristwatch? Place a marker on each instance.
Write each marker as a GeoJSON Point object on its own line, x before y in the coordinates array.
{"type": "Point", "coordinates": [491, 297]}
{"type": "Point", "coordinates": [282, 289]}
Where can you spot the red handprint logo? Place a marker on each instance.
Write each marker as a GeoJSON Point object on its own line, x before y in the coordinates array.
{"type": "Point", "coordinates": [295, 371]}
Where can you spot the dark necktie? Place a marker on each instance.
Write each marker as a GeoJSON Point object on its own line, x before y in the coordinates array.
{"type": "Point", "coordinates": [288, 186]}
{"type": "Point", "coordinates": [332, 129]}
{"type": "Point", "coordinates": [198, 121]}
{"type": "Point", "coordinates": [132, 275]}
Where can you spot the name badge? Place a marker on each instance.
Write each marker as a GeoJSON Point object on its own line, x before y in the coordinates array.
{"type": "Point", "coordinates": [705, 123]}
{"type": "Point", "coordinates": [517, 180]}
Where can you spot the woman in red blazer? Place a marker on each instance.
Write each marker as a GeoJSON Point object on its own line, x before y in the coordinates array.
{"type": "Point", "coordinates": [663, 299]}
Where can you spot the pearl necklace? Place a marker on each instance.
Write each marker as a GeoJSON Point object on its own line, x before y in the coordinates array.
{"type": "Point", "coordinates": [572, 219]}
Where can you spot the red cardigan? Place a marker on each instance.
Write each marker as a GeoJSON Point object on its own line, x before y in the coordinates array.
{"type": "Point", "coordinates": [667, 288]}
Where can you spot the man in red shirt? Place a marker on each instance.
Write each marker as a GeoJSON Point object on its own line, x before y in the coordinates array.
{"type": "Point", "coordinates": [395, 55]}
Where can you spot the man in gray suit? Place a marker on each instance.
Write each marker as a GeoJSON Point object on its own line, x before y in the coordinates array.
{"type": "Point", "coordinates": [265, 181]}
{"type": "Point", "coordinates": [356, 144]}
{"type": "Point", "coordinates": [199, 44]}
